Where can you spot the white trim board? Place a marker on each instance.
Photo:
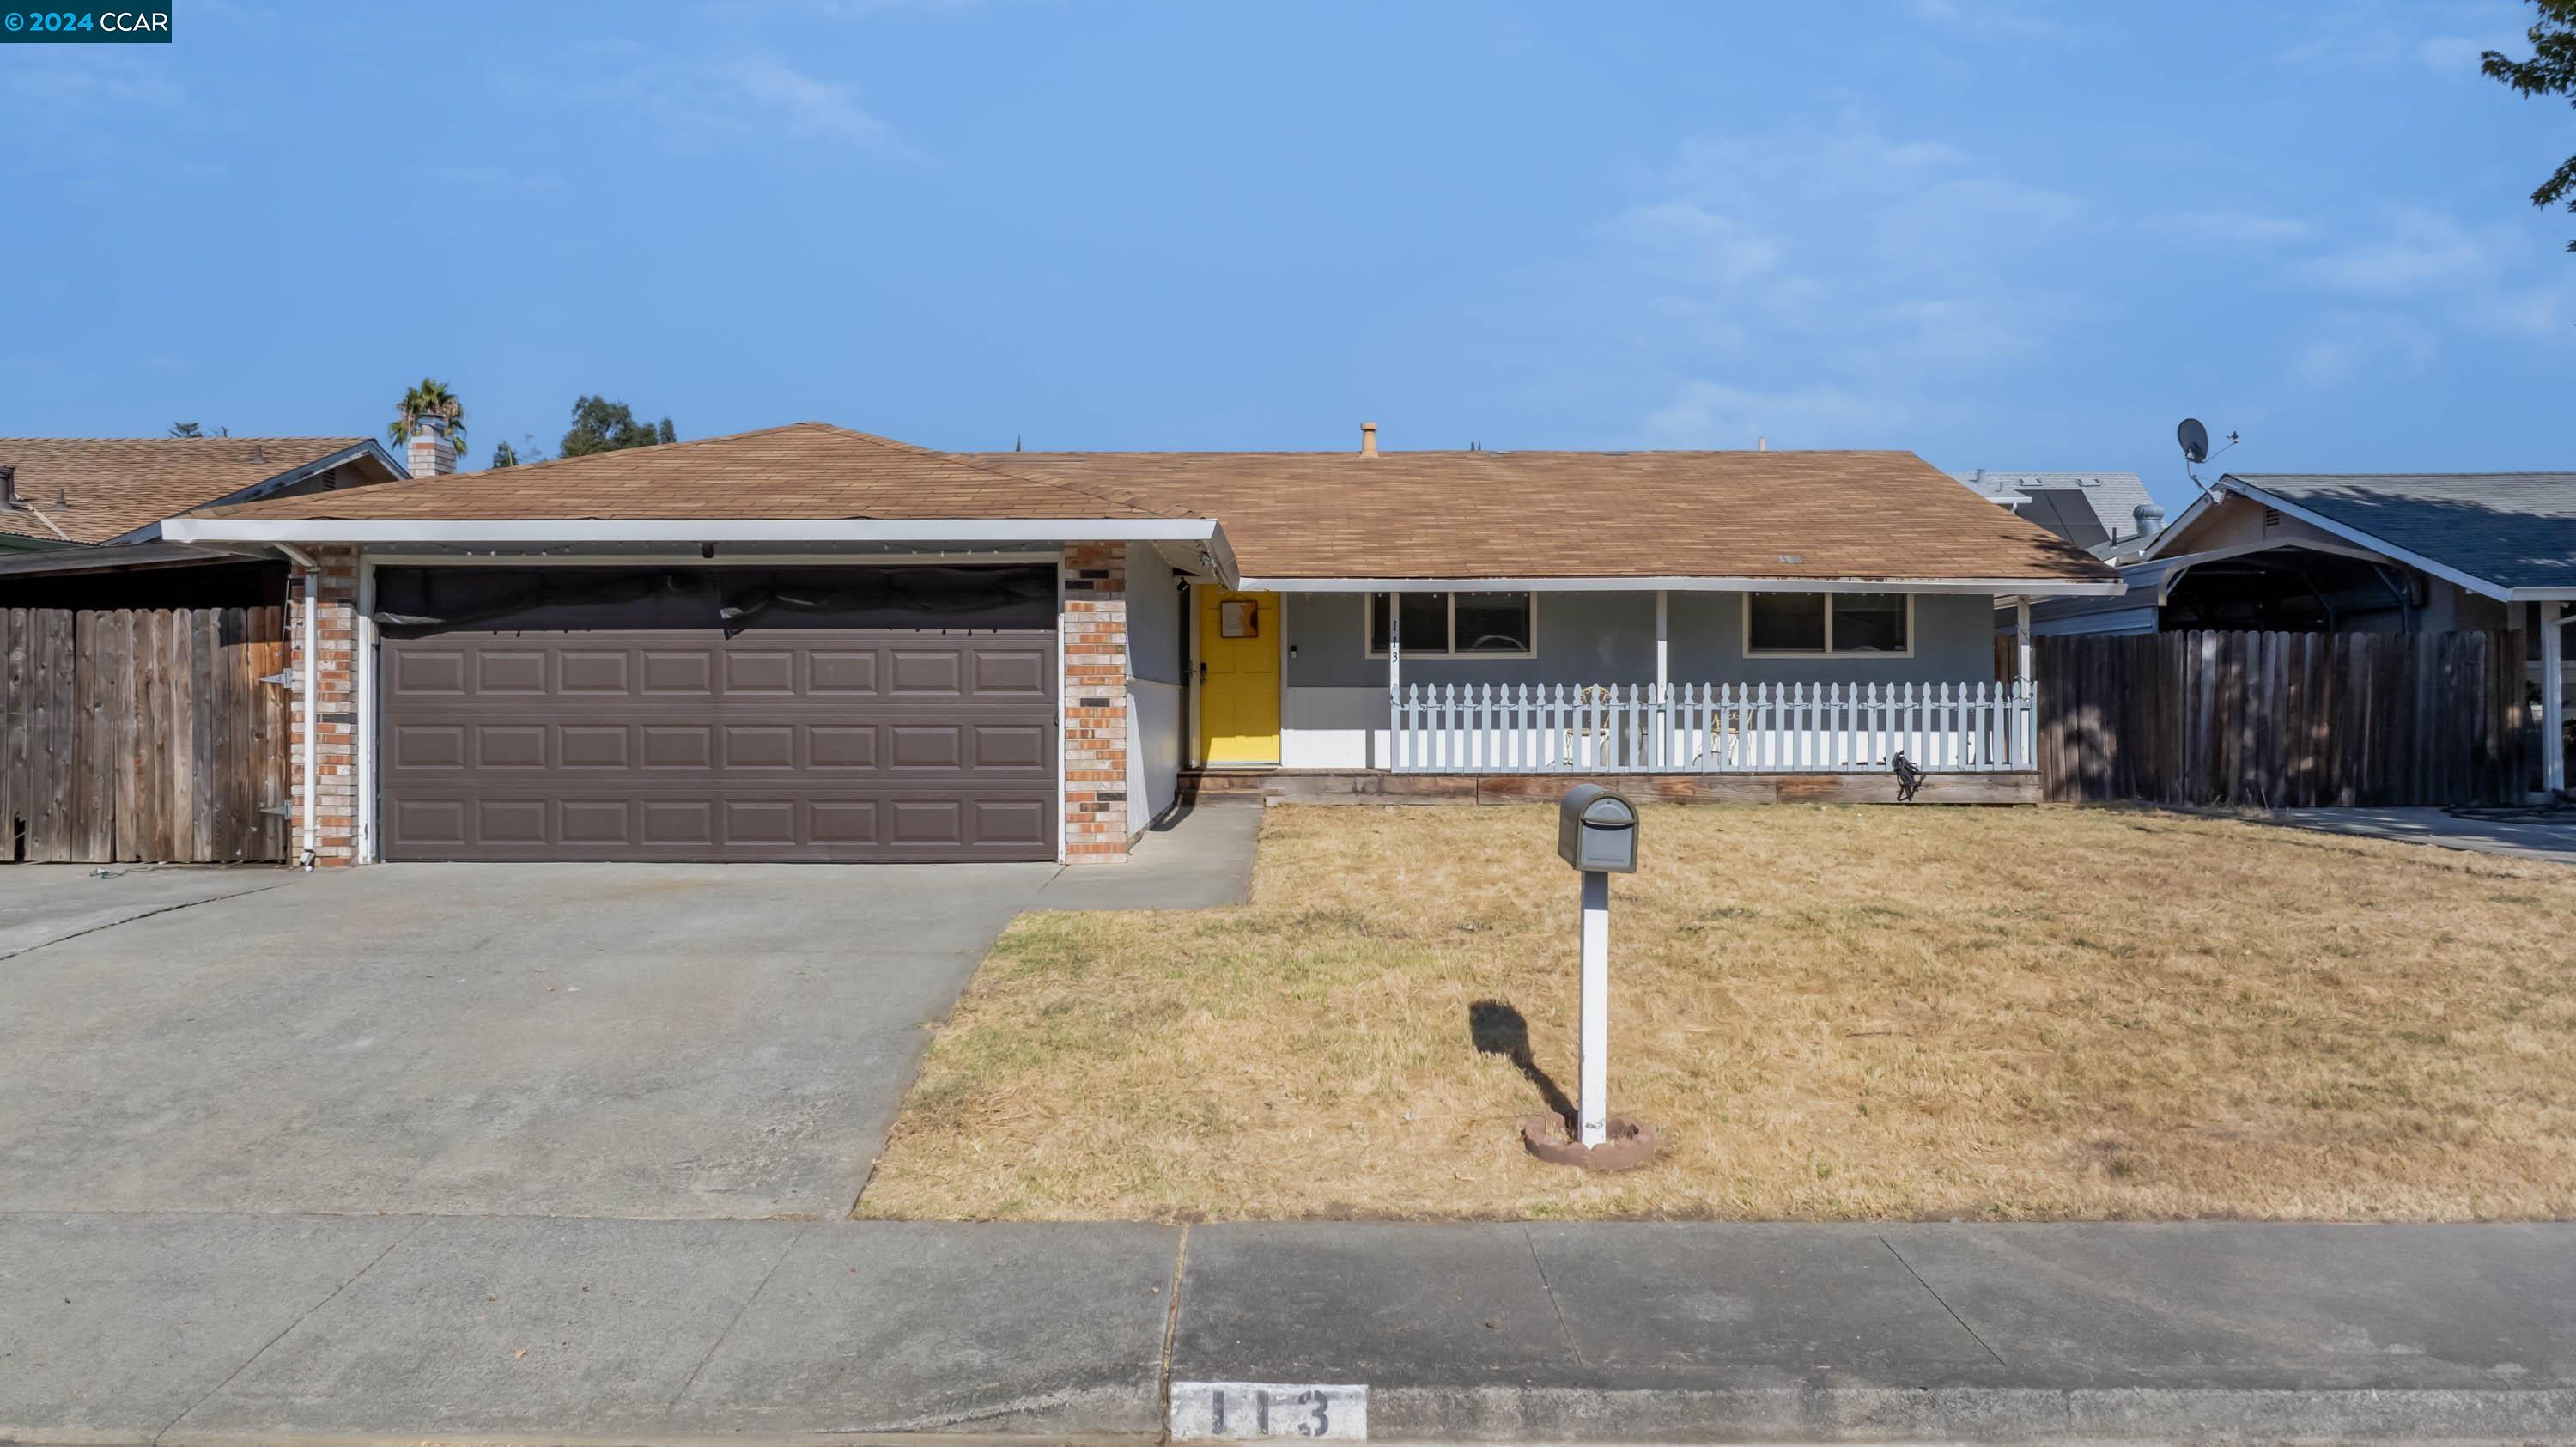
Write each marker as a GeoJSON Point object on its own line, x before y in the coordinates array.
{"type": "Point", "coordinates": [2028, 587]}
{"type": "Point", "coordinates": [710, 530]}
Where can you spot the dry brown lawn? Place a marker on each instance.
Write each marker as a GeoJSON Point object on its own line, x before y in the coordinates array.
{"type": "Point", "coordinates": [1830, 1013]}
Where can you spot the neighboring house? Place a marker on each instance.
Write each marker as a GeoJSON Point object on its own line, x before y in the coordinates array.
{"type": "Point", "coordinates": [812, 643]}
{"type": "Point", "coordinates": [137, 694]}
{"type": "Point", "coordinates": [2361, 553]}
{"type": "Point", "coordinates": [2102, 512]}
{"type": "Point", "coordinates": [80, 517]}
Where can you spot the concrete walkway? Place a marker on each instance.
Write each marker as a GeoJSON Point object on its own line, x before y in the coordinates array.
{"type": "Point", "coordinates": [203, 1328]}
{"type": "Point", "coordinates": [2517, 833]}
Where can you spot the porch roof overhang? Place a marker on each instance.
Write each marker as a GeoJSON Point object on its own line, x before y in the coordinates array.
{"type": "Point", "coordinates": [812, 533]}
{"type": "Point", "coordinates": [2233, 486]}
{"type": "Point", "coordinates": [1999, 587]}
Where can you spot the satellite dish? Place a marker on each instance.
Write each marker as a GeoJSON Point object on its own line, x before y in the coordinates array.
{"type": "Point", "coordinates": [2194, 439]}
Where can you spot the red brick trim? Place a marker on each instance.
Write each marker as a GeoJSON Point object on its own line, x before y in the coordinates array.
{"type": "Point", "coordinates": [1092, 631]}
{"type": "Point", "coordinates": [336, 725]}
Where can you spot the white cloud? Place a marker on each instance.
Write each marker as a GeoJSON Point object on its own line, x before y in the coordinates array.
{"type": "Point", "coordinates": [2248, 229]}
{"type": "Point", "coordinates": [1853, 261]}
{"type": "Point", "coordinates": [1716, 414]}
{"type": "Point", "coordinates": [806, 106]}
{"type": "Point", "coordinates": [2429, 266]}
{"type": "Point", "coordinates": [752, 101]}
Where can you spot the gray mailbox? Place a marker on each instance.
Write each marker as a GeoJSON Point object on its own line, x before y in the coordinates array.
{"type": "Point", "coordinates": [1596, 831]}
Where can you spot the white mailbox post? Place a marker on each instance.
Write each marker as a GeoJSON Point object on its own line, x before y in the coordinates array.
{"type": "Point", "coordinates": [1596, 832]}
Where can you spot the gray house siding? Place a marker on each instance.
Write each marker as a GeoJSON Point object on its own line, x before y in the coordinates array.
{"type": "Point", "coordinates": [1334, 704]}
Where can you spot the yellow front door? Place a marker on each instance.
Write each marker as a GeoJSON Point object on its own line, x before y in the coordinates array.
{"type": "Point", "coordinates": [1238, 677]}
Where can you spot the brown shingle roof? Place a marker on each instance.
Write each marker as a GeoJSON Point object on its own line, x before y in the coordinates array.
{"type": "Point", "coordinates": [1585, 514]}
{"type": "Point", "coordinates": [110, 486]}
{"type": "Point", "coordinates": [804, 470]}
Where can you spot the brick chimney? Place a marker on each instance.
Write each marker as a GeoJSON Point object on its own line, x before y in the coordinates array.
{"type": "Point", "coordinates": [1368, 439]}
{"type": "Point", "coordinates": [432, 455]}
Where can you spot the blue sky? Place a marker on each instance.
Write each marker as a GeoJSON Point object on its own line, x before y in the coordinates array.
{"type": "Point", "coordinates": [2001, 236]}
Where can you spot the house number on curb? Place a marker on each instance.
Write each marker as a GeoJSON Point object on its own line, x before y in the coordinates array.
{"type": "Point", "coordinates": [1259, 1411]}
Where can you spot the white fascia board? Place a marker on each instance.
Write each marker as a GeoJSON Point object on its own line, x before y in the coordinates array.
{"type": "Point", "coordinates": [2347, 531]}
{"type": "Point", "coordinates": [2021, 587]}
{"type": "Point", "coordinates": [719, 530]}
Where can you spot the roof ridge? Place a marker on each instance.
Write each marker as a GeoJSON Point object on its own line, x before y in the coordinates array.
{"type": "Point", "coordinates": [277, 437]}
{"type": "Point", "coordinates": [969, 461]}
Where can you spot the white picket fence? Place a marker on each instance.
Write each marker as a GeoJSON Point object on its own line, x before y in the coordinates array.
{"type": "Point", "coordinates": [1712, 728]}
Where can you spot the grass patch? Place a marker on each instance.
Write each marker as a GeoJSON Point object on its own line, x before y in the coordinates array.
{"type": "Point", "coordinates": [1831, 1013]}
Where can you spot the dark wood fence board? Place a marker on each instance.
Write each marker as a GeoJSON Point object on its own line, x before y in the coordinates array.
{"type": "Point", "coordinates": [2284, 719]}
{"type": "Point", "coordinates": [141, 735]}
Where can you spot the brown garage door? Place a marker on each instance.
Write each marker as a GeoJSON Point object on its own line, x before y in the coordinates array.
{"type": "Point", "coordinates": [789, 744]}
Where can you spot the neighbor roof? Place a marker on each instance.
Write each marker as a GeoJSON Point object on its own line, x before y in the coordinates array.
{"type": "Point", "coordinates": [806, 470]}
{"type": "Point", "coordinates": [100, 488]}
{"type": "Point", "coordinates": [2513, 531]}
{"type": "Point", "coordinates": [1538, 515]}
{"type": "Point", "coordinates": [2086, 508]}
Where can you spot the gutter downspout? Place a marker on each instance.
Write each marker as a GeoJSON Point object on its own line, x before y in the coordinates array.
{"type": "Point", "coordinates": [312, 690]}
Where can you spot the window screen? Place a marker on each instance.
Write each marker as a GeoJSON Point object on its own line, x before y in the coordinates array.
{"type": "Point", "coordinates": [1493, 623]}
{"type": "Point", "coordinates": [1784, 622]}
{"type": "Point", "coordinates": [1869, 623]}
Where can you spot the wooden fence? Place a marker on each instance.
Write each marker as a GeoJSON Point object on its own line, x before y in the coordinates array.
{"type": "Point", "coordinates": [2284, 719]}
{"type": "Point", "coordinates": [1710, 728]}
{"type": "Point", "coordinates": [143, 735]}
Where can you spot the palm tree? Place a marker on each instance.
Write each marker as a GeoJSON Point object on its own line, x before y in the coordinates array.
{"type": "Point", "coordinates": [430, 399]}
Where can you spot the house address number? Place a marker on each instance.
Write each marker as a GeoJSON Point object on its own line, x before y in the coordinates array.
{"type": "Point", "coordinates": [1268, 1411]}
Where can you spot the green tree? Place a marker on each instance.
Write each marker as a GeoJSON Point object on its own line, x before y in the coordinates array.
{"type": "Point", "coordinates": [2550, 71]}
{"type": "Point", "coordinates": [186, 429]}
{"type": "Point", "coordinates": [599, 425]}
{"type": "Point", "coordinates": [505, 455]}
{"type": "Point", "coordinates": [430, 399]}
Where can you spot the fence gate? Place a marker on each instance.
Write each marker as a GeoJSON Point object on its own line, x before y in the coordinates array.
{"type": "Point", "coordinates": [2285, 720]}
{"type": "Point", "coordinates": [143, 735]}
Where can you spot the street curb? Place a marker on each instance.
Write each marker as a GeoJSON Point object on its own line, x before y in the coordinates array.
{"type": "Point", "coordinates": [1967, 1414]}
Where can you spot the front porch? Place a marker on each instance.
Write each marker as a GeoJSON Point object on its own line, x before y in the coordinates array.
{"type": "Point", "coordinates": [1384, 786]}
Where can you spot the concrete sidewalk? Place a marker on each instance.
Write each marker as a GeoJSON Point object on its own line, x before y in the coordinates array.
{"type": "Point", "coordinates": [230, 1329]}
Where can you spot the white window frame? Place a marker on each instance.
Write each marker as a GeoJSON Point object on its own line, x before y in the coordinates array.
{"type": "Point", "coordinates": [1368, 627]}
{"type": "Point", "coordinates": [1829, 651]}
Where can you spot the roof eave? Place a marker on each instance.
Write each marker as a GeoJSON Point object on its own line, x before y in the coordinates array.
{"type": "Point", "coordinates": [684, 530]}
{"type": "Point", "coordinates": [1687, 583]}
{"type": "Point", "coordinates": [368, 448]}
{"type": "Point", "coordinates": [2502, 593]}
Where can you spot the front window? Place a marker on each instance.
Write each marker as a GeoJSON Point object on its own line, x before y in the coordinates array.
{"type": "Point", "coordinates": [1457, 625]}
{"type": "Point", "coordinates": [1828, 623]}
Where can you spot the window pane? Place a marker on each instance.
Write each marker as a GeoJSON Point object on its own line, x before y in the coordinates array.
{"type": "Point", "coordinates": [1785, 622]}
{"type": "Point", "coordinates": [1869, 622]}
{"type": "Point", "coordinates": [1493, 622]}
{"type": "Point", "coordinates": [1377, 622]}
{"type": "Point", "coordinates": [1426, 622]}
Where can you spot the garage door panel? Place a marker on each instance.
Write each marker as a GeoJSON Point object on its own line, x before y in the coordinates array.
{"type": "Point", "coordinates": [793, 744]}
{"type": "Point", "coordinates": [608, 671]}
{"type": "Point", "coordinates": [425, 672]}
{"type": "Point", "coordinates": [595, 746]}
{"type": "Point", "coordinates": [425, 746]}
{"type": "Point", "coordinates": [1014, 673]}
{"type": "Point", "coordinates": [510, 746]}
{"type": "Point", "coordinates": [679, 746]}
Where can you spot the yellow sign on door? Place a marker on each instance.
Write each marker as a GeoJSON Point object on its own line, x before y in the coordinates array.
{"type": "Point", "coordinates": [1238, 677]}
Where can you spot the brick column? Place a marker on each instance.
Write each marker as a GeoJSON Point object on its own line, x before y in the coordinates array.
{"type": "Point", "coordinates": [1093, 634]}
{"type": "Point", "coordinates": [336, 731]}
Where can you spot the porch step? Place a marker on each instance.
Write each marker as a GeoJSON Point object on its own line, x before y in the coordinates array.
{"type": "Point", "coordinates": [1367, 786]}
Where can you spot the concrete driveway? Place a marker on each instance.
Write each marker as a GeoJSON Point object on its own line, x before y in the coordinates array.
{"type": "Point", "coordinates": [587, 1040]}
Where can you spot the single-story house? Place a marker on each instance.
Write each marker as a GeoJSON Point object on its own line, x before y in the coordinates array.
{"type": "Point", "coordinates": [80, 517]}
{"type": "Point", "coordinates": [813, 643]}
{"type": "Point", "coordinates": [2362, 553]}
